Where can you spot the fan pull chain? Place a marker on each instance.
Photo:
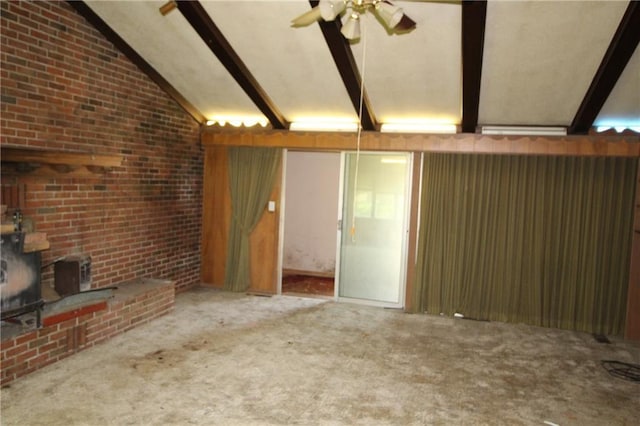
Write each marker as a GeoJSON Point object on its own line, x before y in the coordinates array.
{"type": "Point", "coordinates": [355, 178]}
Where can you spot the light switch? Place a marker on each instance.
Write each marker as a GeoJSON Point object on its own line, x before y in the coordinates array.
{"type": "Point", "coordinates": [272, 206]}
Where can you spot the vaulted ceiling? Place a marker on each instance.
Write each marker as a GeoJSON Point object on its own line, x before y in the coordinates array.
{"type": "Point", "coordinates": [573, 64]}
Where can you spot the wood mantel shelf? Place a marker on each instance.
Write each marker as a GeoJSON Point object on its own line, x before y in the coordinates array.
{"type": "Point", "coordinates": [56, 163]}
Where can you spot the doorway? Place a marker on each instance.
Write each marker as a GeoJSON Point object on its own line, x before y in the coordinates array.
{"type": "Point", "coordinates": [363, 200]}
{"type": "Point", "coordinates": [311, 194]}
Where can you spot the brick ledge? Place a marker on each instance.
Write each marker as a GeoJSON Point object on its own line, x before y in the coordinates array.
{"type": "Point", "coordinates": [134, 303]}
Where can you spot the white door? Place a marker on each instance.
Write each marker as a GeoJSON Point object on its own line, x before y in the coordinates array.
{"type": "Point", "coordinates": [373, 231]}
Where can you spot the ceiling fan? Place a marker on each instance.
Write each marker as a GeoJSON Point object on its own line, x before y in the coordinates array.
{"type": "Point", "coordinates": [392, 16]}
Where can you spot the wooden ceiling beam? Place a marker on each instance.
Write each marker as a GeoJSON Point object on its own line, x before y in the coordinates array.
{"type": "Point", "coordinates": [90, 16]}
{"type": "Point", "coordinates": [624, 43]}
{"type": "Point", "coordinates": [202, 23]}
{"type": "Point", "coordinates": [474, 14]}
{"type": "Point", "coordinates": [348, 69]}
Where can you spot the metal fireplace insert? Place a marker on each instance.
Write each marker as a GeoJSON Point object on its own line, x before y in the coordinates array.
{"type": "Point", "coordinates": [20, 289]}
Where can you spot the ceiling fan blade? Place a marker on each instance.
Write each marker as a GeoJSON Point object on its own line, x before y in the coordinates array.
{"type": "Point", "coordinates": [405, 24]}
{"type": "Point", "coordinates": [306, 18]}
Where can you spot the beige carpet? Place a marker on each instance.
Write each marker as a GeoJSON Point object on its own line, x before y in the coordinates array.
{"type": "Point", "coordinates": [224, 358]}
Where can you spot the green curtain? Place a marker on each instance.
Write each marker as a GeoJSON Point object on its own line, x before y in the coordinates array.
{"type": "Point", "coordinates": [251, 177]}
{"type": "Point", "coordinates": [539, 240]}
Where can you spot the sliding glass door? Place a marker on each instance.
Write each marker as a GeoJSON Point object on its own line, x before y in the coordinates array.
{"type": "Point", "coordinates": [373, 228]}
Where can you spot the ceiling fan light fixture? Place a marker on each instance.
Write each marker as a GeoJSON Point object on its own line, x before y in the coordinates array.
{"type": "Point", "coordinates": [390, 14]}
{"type": "Point", "coordinates": [351, 27]}
{"type": "Point", "coordinates": [330, 10]}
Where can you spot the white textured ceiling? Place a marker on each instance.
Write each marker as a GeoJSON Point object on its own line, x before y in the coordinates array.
{"type": "Point", "coordinates": [174, 49]}
{"type": "Point", "coordinates": [414, 76]}
{"type": "Point", "coordinates": [293, 65]}
{"type": "Point", "coordinates": [539, 59]}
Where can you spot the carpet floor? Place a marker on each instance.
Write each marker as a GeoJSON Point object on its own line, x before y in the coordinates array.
{"type": "Point", "coordinates": [232, 359]}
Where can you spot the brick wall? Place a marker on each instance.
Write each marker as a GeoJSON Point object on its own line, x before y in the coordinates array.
{"type": "Point", "coordinates": [72, 331]}
{"type": "Point", "coordinates": [64, 87]}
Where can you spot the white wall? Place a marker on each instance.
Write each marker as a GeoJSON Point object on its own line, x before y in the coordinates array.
{"type": "Point", "coordinates": [311, 211]}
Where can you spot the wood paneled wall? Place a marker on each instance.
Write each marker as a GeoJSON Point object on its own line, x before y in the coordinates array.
{"type": "Point", "coordinates": [582, 145]}
{"type": "Point", "coordinates": [264, 241]}
{"type": "Point", "coordinates": [264, 245]}
{"type": "Point", "coordinates": [216, 221]}
{"type": "Point", "coordinates": [216, 215]}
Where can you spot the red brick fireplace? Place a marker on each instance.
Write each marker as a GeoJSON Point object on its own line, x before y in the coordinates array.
{"type": "Point", "coordinates": [80, 327]}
